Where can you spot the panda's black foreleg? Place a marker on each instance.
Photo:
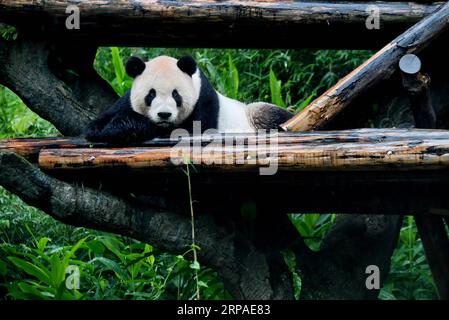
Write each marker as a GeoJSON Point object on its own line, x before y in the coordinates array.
{"type": "Point", "coordinates": [128, 128]}
{"type": "Point", "coordinates": [120, 125]}
{"type": "Point", "coordinates": [122, 128]}
{"type": "Point", "coordinates": [94, 130]}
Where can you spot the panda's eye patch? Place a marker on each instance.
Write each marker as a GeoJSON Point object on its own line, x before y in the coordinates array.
{"type": "Point", "coordinates": [177, 97]}
{"type": "Point", "coordinates": [150, 96]}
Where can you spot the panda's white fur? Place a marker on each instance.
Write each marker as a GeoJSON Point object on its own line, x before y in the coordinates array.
{"type": "Point", "coordinates": [233, 116]}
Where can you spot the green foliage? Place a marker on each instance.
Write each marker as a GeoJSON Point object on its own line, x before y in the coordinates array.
{"type": "Point", "coordinates": [122, 81]}
{"type": "Point", "coordinates": [275, 89]}
{"type": "Point", "coordinates": [110, 267]}
{"type": "Point", "coordinates": [312, 227]}
{"type": "Point", "coordinates": [409, 277]}
{"type": "Point", "coordinates": [195, 265]}
{"type": "Point", "coordinates": [290, 261]}
{"type": "Point", "coordinates": [16, 120]}
{"type": "Point", "coordinates": [8, 32]}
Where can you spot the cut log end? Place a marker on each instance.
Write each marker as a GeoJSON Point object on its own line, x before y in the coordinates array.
{"type": "Point", "coordinates": [410, 64]}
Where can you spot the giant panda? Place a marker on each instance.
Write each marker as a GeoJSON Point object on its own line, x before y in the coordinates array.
{"type": "Point", "coordinates": [166, 94]}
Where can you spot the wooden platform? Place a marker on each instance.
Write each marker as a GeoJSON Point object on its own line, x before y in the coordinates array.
{"type": "Point", "coordinates": [369, 170]}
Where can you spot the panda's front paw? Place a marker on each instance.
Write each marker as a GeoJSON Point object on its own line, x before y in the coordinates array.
{"type": "Point", "coordinates": [92, 134]}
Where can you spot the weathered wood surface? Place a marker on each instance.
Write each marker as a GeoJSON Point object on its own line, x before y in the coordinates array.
{"type": "Point", "coordinates": [369, 149]}
{"type": "Point", "coordinates": [212, 23]}
{"type": "Point", "coordinates": [30, 147]}
{"type": "Point", "coordinates": [349, 171]}
{"type": "Point", "coordinates": [379, 67]}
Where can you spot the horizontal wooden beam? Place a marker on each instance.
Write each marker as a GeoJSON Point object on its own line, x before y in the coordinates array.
{"type": "Point", "coordinates": [377, 171]}
{"type": "Point", "coordinates": [315, 152]}
{"type": "Point", "coordinates": [31, 147]}
{"type": "Point", "coordinates": [208, 23]}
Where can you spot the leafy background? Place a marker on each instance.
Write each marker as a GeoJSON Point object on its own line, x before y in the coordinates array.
{"type": "Point", "coordinates": [35, 249]}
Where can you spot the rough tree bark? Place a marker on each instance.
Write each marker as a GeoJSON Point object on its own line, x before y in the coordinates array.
{"type": "Point", "coordinates": [226, 23]}
{"type": "Point", "coordinates": [251, 268]}
{"type": "Point", "coordinates": [69, 100]}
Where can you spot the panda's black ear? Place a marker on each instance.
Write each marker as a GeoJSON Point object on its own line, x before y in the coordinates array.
{"type": "Point", "coordinates": [187, 64]}
{"type": "Point", "coordinates": [134, 66]}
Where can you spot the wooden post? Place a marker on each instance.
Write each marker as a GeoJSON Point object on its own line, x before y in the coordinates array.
{"type": "Point", "coordinates": [379, 67]}
{"type": "Point", "coordinates": [417, 85]}
{"type": "Point", "coordinates": [431, 228]}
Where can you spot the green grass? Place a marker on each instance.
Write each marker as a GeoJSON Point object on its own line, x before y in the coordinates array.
{"type": "Point", "coordinates": [35, 249]}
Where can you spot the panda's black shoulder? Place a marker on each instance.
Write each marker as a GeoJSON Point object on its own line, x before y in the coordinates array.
{"type": "Point", "coordinates": [206, 108]}
{"type": "Point", "coordinates": [123, 104]}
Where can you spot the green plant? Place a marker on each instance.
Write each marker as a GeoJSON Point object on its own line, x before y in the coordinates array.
{"type": "Point", "coordinates": [290, 261]}
{"type": "Point", "coordinates": [409, 277]}
{"type": "Point", "coordinates": [121, 82]}
{"type": "Point", "coordinates": [312, 227]}
{"type": "Point", "coordinates": [276, 88]}
{"type": "Point", "coordinates": [8, 32]}
{"type": "Point", "coordinates": [232, 79]}
{"type": "Point", "coordinates": [43, 274]}
{"type": "Point", "coordinates": [17, 120]}
{"type": "Point", "coordinates": [195, 264]}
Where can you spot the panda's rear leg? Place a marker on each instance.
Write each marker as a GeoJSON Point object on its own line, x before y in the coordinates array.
{"type": "Point", "coordinates": [267, 116]}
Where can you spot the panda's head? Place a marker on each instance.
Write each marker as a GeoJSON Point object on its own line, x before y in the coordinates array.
{"type": "Point", "coordinates": [165, 90]}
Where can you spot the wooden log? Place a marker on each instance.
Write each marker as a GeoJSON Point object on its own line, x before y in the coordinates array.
{"type": "Point", "coordinates": [356, 171]}
{"type": "Point", "coordinates": [209, 23]}
{"type": "Point", "coordinates": [343, 150]}
{"type": "Point", "coordinates": [379, 67]}
{"type": "Point", "coordinates": [409, 174]}
{"type": "Point", "coordinates": [431, 228]}
{"type": "Point", "coordinates": [417, 85]}
{"type": "Point", "coordinates": [30, 147]}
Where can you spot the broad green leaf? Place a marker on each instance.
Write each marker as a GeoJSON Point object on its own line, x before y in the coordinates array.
{"type": "Point", "coordinates": [195, 265]}
{"type": "Point", "coordinates": [31, 269]}
{"type": "Point", "coordinates": [42, 243]}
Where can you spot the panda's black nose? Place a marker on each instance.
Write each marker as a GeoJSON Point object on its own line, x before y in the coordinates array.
{"type": "Point", "coordinates": [164, 115]}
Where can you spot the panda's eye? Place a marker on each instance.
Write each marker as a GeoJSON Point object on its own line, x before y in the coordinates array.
{"type": "Point", "coordinates": [150, 97]}
{"type": "Point", "coordinates": [177, 97]}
